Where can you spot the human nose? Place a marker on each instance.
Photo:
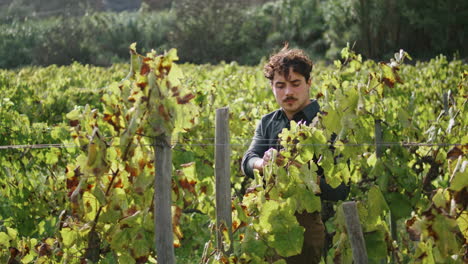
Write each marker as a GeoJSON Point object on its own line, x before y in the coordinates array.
{"type": "Point", "coordinates": [288, 90]}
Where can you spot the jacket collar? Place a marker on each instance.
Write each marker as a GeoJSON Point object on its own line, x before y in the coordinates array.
{"type": "Point", "coordinates": [310, 111]}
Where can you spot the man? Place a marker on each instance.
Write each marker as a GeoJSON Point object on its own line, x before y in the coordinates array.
{"type": "Point", "coordinates": [289, 74]}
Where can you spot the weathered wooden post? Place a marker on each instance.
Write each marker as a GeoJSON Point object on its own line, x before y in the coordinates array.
{"type": "Point", "coordinates": [378, 138]}
{"type": "Point", "coordinates": [161, 107]}
{"type": "Point", "coordinates": [379, 148]}
{"type": "Point", "coordinates": [356, 238]}
{"type": "Point", "coordinates": [162, 200]}
{"type": "Point", "coordinates": [445, 98]}
{"type": "Point", "coordinates": [223, 181]}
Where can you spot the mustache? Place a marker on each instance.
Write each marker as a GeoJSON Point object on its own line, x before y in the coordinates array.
{"type": "Point", "coordinates": [289, 98]}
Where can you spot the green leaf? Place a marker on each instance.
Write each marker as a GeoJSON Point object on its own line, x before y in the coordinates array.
{"type": "Point", "coordinates": [441, 198]}
{"type": "Point", "coordinates": [309, 177]}
{"type": "Point", "coordinates": [52, 156]}
{"type": "Point", "coordinates": [110, 215]}
{"type": "Point", "coordinates": [389, 75]}
{"type": "Point", "coordinates": [75, 114]}
{"type": "Point", "coordinates": [126, 258]}
{"type": "Point", "coordinates": [13, 233]}
{"type": "Point", "coordinates": [307, 200]}
{"type": "Point", "coordinates": [463, 224]}
{"type": "Point", "coordinates": [278, 223]}
{"type": "Point", "coordinates": [376, 246]}
{"type": "Point", "coordinates": [372, 160]}
{"type": "Point", "coordinates": [376, 204]}
{"type": "Point", "coordinates": [109, 258]}
{"type": "Point", "coordinates": [240, 212]}
{"type": "Point", "coordinates": [120, 239]}
{"type": "Point", "coordinates": [341, 174]}
{"type": "Point", "coordinates": [446, 241]}
{"type": "Point", "coordinates": [59, 132]}
{"type": "Point", "coordinates": [141, 247]}
{"type": "Point", "coordinates": [306, 153]}
{"type": "Point", "coordinates": [253, 244]}
{"type": "Point", "coordinates": [404, 118]}
{"type": "Point", "coordinates": [332, 120]}
{"type": "Point", "coordinates": [131, 220]}
{"type": "Point", "coordinates": [346, 102]}
{"type": "Point", "coordinates": [4, 239]}
{"type": "Point", "coordinates": [287, 242]}
{"type": "Point", "coordinates": [268, 208]}
{"type": "Point", "coordinates": [172, 55]}
{"type": "Point", "coordinates": [175, 75]}
{"type": "Point", "coordinates": [132, 46]}
{"type": "Point", "coordinates": [424, 252]}
{"type": "Point", "coordinates": [460, 180]}
{"type": "Point", "coordinates": [400, 205]}
{"type": "Point", "coordinates": [28, 258]}
{"type": "Point", "coordinates": [100, 195]}
{"type": "Point", "coordinates": [69, 236]}
{"type": "Point", "coordinates": [90, 205]}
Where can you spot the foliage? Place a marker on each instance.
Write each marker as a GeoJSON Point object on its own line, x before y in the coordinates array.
{"type": "Point", "coordinates": [214, 31]}
{"type": "Point", "coordinates": [412, 186]}
{"type": "Point", "coordinates": [24, 9]}
{"type": "Point", "coordinates": [62, 40]}
{"type": "Point", "coordinates": [423, 29]}
{"type": "Point", "coordinates": [110, 32]}
{"type": "Point", "coordinates": [23, 37]}
{"type": "Point", "coordinates": [419, 189]}
{"type": "Point", "coordinates": [224, 30]}
{"type": "Point", "coordinates": [209, 31]}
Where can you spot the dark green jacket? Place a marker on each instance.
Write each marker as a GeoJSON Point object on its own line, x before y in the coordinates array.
{"type": "Point", "coordinates": [266, 137]}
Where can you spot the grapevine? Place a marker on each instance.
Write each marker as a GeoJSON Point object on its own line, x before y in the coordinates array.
{"type": "Point", "coordinates": [94, 201]}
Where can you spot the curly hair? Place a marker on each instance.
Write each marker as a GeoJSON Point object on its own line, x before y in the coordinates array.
{"type": "Point", "coordinates": [286, 58]}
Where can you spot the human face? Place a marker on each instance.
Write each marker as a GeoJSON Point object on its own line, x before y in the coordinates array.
{"type": "Point", "coordinates": [292, 94]}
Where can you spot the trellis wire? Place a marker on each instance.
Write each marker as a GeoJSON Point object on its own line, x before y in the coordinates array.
{"type": "Point", "coordinates": [387, 144]}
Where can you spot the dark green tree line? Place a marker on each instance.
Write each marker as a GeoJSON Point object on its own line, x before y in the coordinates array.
{"type": "Point", "coordinates": [423, 28]}
{"type": "Point", "coordinates": [210, 31]}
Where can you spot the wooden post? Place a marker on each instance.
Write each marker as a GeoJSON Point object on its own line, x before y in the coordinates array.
{"type": "Point", "coordinates": [162, 200]}
{"type": "Point", "coordinates": [223, 181]}
{"type": "Point", "coordinates": [378, 151]}
{"type": "Point", "coordinates": [378, 138]}
{"type": "Point", "coordinates": [356, 238]}
{"type": "Point", "coordinates": [445, 99]}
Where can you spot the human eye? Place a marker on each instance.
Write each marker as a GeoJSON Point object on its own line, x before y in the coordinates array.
{"type": "Point", "coordinates": [279, 86]}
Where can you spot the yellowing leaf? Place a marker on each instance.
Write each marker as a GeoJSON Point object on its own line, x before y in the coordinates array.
{"type": "Point", "coordinates": [307, 200]}
{"type": "Point", "coordinates": [280, 226]}
{"type": "Point", "coordinates": [4, 239]}
{"type": "Point", "coordinates": [175, 75]}
{"type": "Point", "coordinates": [69, 236]}
{"type": "Point", "coordinates": [13, 233]}
{"type": "Point", "coordinates": [463, 224]}
{"type": "Point", "coordinates": [332, 120]}
{"type": "Point", "coordinates": [441, 198]}
{"type": "Point", "coordinates": [446, 239]}
{"type": "Point", "coordinates": [75, 114]}
{"type": "Point", "coordinates": [459, 181]}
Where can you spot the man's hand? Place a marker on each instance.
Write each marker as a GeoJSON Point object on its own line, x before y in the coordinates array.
{"type": "Point", "coordinates": [267, 156]}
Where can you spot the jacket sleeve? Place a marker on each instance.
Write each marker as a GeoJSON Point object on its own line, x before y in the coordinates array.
{"type": "Point", "coordinates": [257, 148]}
